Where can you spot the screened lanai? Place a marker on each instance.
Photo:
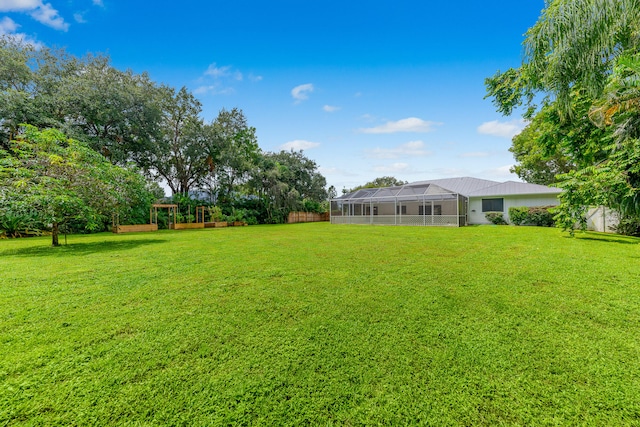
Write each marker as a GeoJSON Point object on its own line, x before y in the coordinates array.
{"type": "Point", "coordinates": [418, 204]}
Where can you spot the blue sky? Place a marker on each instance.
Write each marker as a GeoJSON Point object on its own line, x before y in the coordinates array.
{"type": "Point", "coordinates": [367, 89]}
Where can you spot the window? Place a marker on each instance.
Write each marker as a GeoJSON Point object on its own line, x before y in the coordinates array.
{"type": "Point", "coordinates": [402, 211]}
{"type": "Point", "coordinates": [437, 210]}
{"type": "Point", "coordinates": [492, 205]}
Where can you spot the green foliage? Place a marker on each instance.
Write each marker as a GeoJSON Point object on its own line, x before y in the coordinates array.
{"type": "Point", "coordinates": [130, 119]}
{"type": "Point", "coordinates": [508, 90]}
{"type": "Point", "coordinates": [180, 153]}
{"type": "Point", "coordinates": [589, 63]}
{"type": "Point", "coordinates": [233, 153]}
{"type": "Point", "coordinates": [313, 206]}
{"type": "Point", "coordinates": [18, 224]}
{"type": "Point", "coordinates": [320, 324]}
{"type": "Point", "coordinates": [186, 206]}
{"type": "Point", "coordinates": [115, 112]}
{"type": "Point", "coordinates": [540, 216]}
{"type": "Point", "coordinates": [215, 214]}
{"type": "Point", "coordinates": [518, 214]}
{"type": "Point", "coordinates": [551, 145]}
{"type": "Point", "coordinates": [496, 218]}
{"type": "Point", "coordinates": [65, 183]}
{"type": "Point", "coordinates": [283, 182]}
{"type": "Point", "coordinates": [628, 226]}
{"type": "Point", "coordinates": [570, 45]}
{"type": "Point", "coordinates": [384, 181]}
{"type": "Point", "coordinates": [118, 113]}
{"type": "Point", "coordinates": [613, 183]}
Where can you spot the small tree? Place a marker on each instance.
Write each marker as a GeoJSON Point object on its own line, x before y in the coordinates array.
{"type": "Point", "coordinates": [62, 181]}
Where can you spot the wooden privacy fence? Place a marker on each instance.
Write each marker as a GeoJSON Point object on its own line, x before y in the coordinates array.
{"type": "Point", "coordinates": [307, 217]}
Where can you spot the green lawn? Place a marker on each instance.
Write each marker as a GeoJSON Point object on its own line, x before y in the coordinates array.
{"type": "Point", "coordinates": [314, 324]}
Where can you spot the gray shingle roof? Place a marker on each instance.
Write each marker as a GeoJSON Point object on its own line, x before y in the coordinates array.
{"type": "Point", "coordinates": [475, 187]}
{"type": "Point", "coordinates": [466, 186]}
{"type": "Point", "coordinates": [511, 188]}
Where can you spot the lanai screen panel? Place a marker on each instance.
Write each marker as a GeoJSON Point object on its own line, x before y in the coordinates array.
{"type": "Point", "coordinates": [424, 204]}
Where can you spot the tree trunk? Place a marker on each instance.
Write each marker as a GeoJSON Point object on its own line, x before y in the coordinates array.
{"type": "Point", "coordinates": [54, 235]}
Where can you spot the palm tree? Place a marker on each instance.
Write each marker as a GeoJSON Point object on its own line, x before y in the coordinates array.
{"type": "Point", "coordinates": [588, 47]}
{"type": "Point", "coordinates": [578, 42]}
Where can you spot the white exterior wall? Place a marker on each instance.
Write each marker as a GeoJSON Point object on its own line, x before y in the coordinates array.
{"type": "Point", "coordinates": [602, 219]}
{"type": "Point", "coordinates": [476, 216]}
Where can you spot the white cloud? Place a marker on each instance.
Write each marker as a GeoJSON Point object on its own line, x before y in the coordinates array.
{"type": "Point", "coordinates": [47, 15]}
{"type": "Point", "coordinates": [301, 92]}
{"type": "Point", "coordinates": [299, 144]}
{"type": "Point", "coordinates": [8, 26]}
{"type": "Point", "coordinates": [218, 80]}
{"type": "Point", "coordinates": [214, 89]}
{"type": "Point", "coordinates": [18, 5]}
{"type": "Point", "coordinates": [393, 168]}
{"type": "Point", "coordinates": [336, 171]}
{"type": "Point", "coordinates": [79, 18]}
{"type": "Point", "coordinates": [368, 118]}
{"type": "Point", "coordinates": [502, 129]}
{"type": "Point", "coordinates": [410, 149]}
{"type": "Point", "coordinates": [475, 154]}
{"type": "Point", "coordinates": [222, 72]}
{"type": "Point", "coordinates": [411, 124]}
{"type": "Point", "coordinates": [330, 108]}
{"type": "Point", "coordinates": [201, 90]}
{"type": "Point", "coordinates": [98, 3]}
{"type": "Point", "coordinates": [41, 12]}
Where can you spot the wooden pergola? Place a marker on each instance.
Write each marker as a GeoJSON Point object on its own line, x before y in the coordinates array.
{"type": "Point", "coordinates": [153, 220]}
{"type": "Point", "coordinates": [171, 208]}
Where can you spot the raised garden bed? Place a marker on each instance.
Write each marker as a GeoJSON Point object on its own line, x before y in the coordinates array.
{"type": "Point", "coordinates": [216, 224]}
{"type": "Point", "coordinates": [134, 228]}
{"type": "Point", "coordinates": [186, 226]}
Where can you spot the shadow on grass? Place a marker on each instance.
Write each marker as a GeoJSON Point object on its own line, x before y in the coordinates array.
{"type": "Point", "coordinates": [609, 238]}
{"type": "Point", "coordinates": [81, 248]}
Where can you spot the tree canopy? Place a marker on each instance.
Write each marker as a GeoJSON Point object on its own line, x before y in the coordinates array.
{"type": "Point", "coordinates": [383, 181]}
{"type": "Point", "coordinates": [579, 84]}
{"type": "Point", "coordinates": [128, 119]}
{"type": "Point", "coordinates": [60, 181]}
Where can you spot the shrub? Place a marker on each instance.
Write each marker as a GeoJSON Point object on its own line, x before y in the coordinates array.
{"type": "Point", "coordinates": [539, 216]}
{"type": "Point", "coordinates": [496, 218]}
{"type": "Point", "coordinates": [312, 206]}
{"type": "Point", "coordinates": [215, 214]}
{"type": "Point", "coordinates": [629, 226]}
{"type": "Point", "coordinates": [18, 224]}
{"type": "Point", "coordinates": [518, 214]}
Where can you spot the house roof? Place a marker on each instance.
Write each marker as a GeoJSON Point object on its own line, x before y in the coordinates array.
{"type": "Point", "coordinates": [475, 187]}
{"type": "Point", "coordinates": [511, 188]}
{"type": "Point", "coordinates": [427, 190]}
{"type": "Point", "coordinates": [466, 186]}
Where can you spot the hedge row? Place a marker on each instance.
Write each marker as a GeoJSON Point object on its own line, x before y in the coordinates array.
{"type": "Point", "coordinates": [537, 215]}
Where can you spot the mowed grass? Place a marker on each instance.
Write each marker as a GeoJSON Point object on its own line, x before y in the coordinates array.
{"type": "Point", "coordinates": [319, 324]}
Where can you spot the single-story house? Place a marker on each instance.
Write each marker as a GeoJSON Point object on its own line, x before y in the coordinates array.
{"type": "Point", "coordinates": [446, 202]}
